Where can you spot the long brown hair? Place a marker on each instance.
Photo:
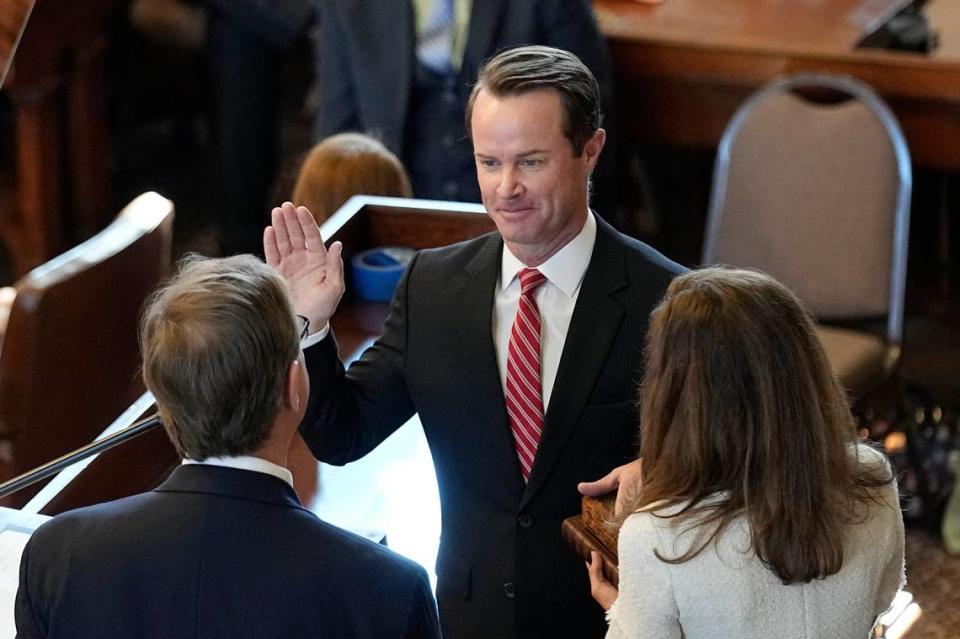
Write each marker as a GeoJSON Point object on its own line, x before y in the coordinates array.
{"type": "Point", "coordinates": [741, 415]}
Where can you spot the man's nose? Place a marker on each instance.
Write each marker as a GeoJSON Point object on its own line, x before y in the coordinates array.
{"type": "Point", "coordinates": [509, 185]}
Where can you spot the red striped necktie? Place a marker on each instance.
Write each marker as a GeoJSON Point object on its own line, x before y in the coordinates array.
{"type": "Point", "coordinates": [524, 395]}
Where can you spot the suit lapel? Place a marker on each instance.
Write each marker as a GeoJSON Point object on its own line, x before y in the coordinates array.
{"type": "Point", "coordinates": [596, 319]}
{"type": "Point", "coordinates": [496, 440]}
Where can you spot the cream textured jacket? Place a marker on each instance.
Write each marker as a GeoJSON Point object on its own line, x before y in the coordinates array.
{"type": "Point", "coordinates": [726, 593]}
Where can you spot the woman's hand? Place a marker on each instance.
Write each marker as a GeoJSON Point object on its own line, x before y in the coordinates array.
{"type": "Point", "coordinates": [601, 589]}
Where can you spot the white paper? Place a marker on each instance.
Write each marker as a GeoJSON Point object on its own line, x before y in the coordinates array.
{"type": "Point", "coordinates": [12, 543]}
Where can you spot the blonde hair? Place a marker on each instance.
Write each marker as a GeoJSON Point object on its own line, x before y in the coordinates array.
{"type": "Point", "coordinates": [345, 165]}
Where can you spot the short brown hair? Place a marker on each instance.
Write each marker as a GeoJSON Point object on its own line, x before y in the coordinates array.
{"type": "Point", "coordinates": [345, 165]}
{"type": "Point", "coordinates": [739, 401]}
{"type": "Point", "coordinates": [538, 68]}
{"type": "Point", "coordinates": [217, 342]}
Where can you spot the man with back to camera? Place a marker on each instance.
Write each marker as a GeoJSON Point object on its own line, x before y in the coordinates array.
{"type": "Point", "coordinates": [521, 362]}
{"type": "Point", "coordinates": [223, 548]}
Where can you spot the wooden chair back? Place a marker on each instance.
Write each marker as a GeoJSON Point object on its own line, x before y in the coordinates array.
{"type": "Point", "coordinates": [69, 363]}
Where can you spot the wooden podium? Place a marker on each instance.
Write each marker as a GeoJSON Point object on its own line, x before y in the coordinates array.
{"type": "Point", "coordinates": [363, 222]}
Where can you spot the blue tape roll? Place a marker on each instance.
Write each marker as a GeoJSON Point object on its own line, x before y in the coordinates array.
{"type": "Point", "coordinates": [377, 271]}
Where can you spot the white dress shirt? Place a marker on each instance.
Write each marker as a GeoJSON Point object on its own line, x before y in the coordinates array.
{"type": "Point", "coordinates": [556, 299]}
{"type": "Point", "coordinates": [247, 462]}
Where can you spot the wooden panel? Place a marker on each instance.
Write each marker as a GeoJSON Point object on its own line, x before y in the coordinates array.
{"type": "Point", "coordinates": [57, 91]}
{"type": "Point", "coordinates": [13, 17]}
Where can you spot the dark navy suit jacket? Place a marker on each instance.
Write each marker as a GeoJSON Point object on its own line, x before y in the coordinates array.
{"type": "Point", "coordinates": [215, 553]}
{"type": "Point", "coordinates": [503, 570]}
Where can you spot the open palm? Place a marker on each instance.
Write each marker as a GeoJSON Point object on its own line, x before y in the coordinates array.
{"type": "Point", "coordinates": [314, 274]}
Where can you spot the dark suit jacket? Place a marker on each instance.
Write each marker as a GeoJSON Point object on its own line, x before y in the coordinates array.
{"type": "Point", "coordinates": [280, 22]}
{"type": "Point", "coordinates": [503, 570]}
{"type": "Point", "coordinates": [366, 65]}
{"type": "Point", "coordinates": [215, 552]}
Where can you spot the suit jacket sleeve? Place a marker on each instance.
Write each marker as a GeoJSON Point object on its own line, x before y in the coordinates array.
{"type": "Point", "coordinates": [337, 108]}
{"type": "Point", "coordinates": [422, 622]}
{"type": "Point", "coordinates": [25, 612]}
{"type": "Point", "coordinates": [350, 413]}
{"type": "Point", "coordinates": [280, 22]}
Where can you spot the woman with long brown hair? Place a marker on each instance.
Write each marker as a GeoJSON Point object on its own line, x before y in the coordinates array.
{"type": "Point", "coordinates": [759, 513]}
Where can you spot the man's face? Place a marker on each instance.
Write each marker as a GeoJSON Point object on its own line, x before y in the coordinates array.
{"type": "Point", "coordinates": [532, 186]}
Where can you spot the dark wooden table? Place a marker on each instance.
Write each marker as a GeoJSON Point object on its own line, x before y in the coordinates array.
{"type": "Point", "coordinates": [684, 66]}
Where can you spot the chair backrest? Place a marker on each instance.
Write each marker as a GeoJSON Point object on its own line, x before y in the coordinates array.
{"type": "Point", "coordinates": [818, 195]}
{"type": "Point", "coordinates": [69, 364]}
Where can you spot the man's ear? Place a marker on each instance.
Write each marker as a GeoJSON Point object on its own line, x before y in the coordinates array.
{"type": "Point", "coordinates": [594, 146]}
{"type": "Point", "coordinates": [292, 388]}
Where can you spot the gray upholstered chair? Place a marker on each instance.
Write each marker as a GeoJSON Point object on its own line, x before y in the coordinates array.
{"type": "Point", "coordinates": [817, 194]}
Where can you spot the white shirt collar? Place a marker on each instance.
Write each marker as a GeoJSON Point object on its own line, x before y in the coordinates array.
{"type": "Point", "coordinates": [565, 268]}
{"type": "Point", "coordinates": [247, 462]}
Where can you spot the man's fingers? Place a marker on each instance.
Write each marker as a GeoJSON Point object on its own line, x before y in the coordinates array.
{"type": "Point", "coordinates": [296, 225]}
{"type": "Point", "coordinates": [607, 484]}
{"type": "Point", "coordinates": [291, 221]}
{"type": "Point", "coordinates": [618, 504]}
{"type": "Point", "coordinates": [270, 247]}
{"type": "Point", "coordinates": [335, 264]}
{"type": "Point", "coordinates": [282, 240]}
{"type": "Point", "coordinates": [593, 567]}
{"type": "Point", "coordinates": [310, 230]}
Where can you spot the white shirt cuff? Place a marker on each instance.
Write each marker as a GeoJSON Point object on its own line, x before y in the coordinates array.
{"type": "Point", "coordinates": [313, 338]}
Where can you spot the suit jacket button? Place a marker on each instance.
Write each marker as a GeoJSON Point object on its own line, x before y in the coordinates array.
{"type": "Point", "coordinates": [525, 520]}
{"type": "Point", "coordinates": [508, 590]}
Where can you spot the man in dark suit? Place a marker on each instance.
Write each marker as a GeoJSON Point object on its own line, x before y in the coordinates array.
{"type": "Point", "coordinates": [402, 69]}
{"type": "Point", "coordinates": [520, 350]}
{"type": "Point", "coordinates": [223, 548]}
{"type": "Point", "coordinates": [247, 44]}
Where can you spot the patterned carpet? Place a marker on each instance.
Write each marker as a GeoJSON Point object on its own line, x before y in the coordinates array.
{"type": "Point", "coordinates": [933, 577]}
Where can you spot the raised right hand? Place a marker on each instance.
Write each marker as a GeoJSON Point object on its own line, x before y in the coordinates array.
{"type": "Point", "coordinates": [314, 274]}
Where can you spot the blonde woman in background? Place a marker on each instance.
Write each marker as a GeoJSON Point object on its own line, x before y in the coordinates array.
{"type": "Point", "coordinates": [345, 165]}
{"type": "Point", "coordinates": [759, 514]}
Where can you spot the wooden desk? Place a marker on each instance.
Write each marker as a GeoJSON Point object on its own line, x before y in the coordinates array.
{"type": "Point", "coordinates": [684, 66]}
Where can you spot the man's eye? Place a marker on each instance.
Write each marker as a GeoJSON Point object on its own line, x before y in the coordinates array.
{"type": "Point", "coordinates": [488, 164]}
{"type": "Point", "coordinates": [530, 163]}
